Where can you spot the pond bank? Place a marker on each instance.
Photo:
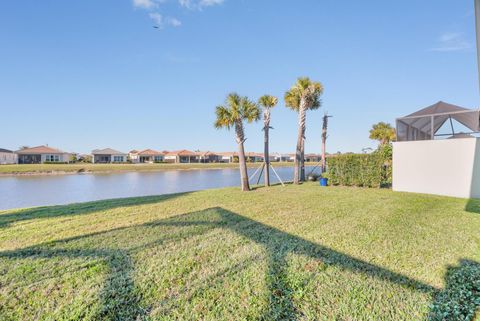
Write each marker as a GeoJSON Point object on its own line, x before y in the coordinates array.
{"type": "Point", "coordinates": [68, 169]}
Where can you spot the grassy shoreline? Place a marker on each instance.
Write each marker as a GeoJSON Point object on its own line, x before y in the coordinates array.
{"type": "Point", "coordinates": [299, 252]}
{"type": "Point", "coordinates": [61, 169]}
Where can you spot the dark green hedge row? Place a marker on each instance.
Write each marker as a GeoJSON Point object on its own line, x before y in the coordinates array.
{"type": "Point", "coordinates": [364, 170]}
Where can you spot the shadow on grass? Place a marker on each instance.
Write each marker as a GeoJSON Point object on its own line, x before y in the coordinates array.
{"type": "Point", "coordinates": [121, 300]}
{"type": "Point", "coordinates": [11, 217]}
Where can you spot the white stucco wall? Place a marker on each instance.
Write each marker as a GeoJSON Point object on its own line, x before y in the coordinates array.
{"type": "Point", "coordinates": [449, 167]}
{"type": "Point", "coordinates": [63, 158]}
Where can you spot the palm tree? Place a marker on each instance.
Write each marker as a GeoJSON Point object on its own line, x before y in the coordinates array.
{"type": "Point", "coordinates": [383, 132]}
{"type": "Point", "coordinates": [232, 114]}
{"type": "Point", "coordinates": [267, 102]}
{"type": "Point", "coordinates": [303, 96]}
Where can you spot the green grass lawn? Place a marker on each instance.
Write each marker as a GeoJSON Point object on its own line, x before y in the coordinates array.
{"type": "Point", "coordinates": [87, 167]}
{"type": "Point", "coordinates": [293, 253]}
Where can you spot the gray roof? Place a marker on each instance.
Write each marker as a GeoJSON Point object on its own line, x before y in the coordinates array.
{"type": "Point", "coordinates": [107, 151]}
{"type": "Point", "coordinates": [419, 125]}
{"type": "Point", "coordinates": [2, 150]}
{"type": "Point", "coordinates": [438, 108]}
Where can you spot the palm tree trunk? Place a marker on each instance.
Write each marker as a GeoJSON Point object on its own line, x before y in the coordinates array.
{"type": "Point", "coordinates": [240, 137]}
{"type": "Point", "coordinates": [302, 159]}
{"type": "Point", "coordinates": [299, 170]}
{"type": "Point", "coordinates": [266, 155]}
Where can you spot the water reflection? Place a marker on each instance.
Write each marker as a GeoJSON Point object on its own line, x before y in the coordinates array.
{"type": "Point", "coordinates": [28, 191]}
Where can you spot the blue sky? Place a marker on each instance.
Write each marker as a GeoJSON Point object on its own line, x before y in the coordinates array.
{"type": "Point", "coordinates": [88, 74]}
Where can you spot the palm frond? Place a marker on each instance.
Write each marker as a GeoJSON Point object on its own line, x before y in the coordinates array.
{"type": "Point", "coordinates": [249, 110]}
{"type": "Point", "coordinates": [224, 118]}
{"type": "Point", "coordinates": [306, 89]}
{"type": "Point", "coordinates": [383, 132]}
{"type": "Point", "coordinates": [233, 102]}
{"type": "Point", "coordinates": [292, 98]}
{"type": "Point", "coordinates": [268, 101]}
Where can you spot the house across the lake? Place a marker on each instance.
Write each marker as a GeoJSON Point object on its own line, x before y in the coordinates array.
{"type": "Point", "coordinates": [133, 156]}
{"type": "Point", "coordinates": [42, 154]}
{"type": "Point", "coordinates": [228, 157]}
{"type": "Point", "coordinates": [146, 156]}
{"type": "Point", "coordinates": [254, 157]}
{"type": "Point", "coordinates": [180, 156]}
{"type": "Point", "coordinates": [7, 157]}
{"type": "Point", "coordinates": [108, 155]}
{"type": "Point", "coordinates": [307, 158]}
{"type": "Point", "coordinates": [277, 157]}
{"type": "Point", "coordinates": [207, 157]}
{"type": "Point", "coordinates": [232, 157]}
{"type": "Point", "coordinates": [313, 158]}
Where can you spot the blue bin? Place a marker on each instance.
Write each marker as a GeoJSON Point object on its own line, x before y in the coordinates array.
{"type": "Point", "coordinates": [323, 181]}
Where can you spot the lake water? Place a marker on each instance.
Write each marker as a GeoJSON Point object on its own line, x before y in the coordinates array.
{"type": "Point", "coordinates": [29, 191]}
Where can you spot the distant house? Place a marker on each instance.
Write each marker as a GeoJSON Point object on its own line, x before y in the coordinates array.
{"type": "Point", "coordinates": [180, 156]}
{"type": "Point", "coordinates": [147, 156]}
{"type": "Point", "coordinates": [108, 155]}
{"type": "Point", "coordinates": [308, 158]}
{"type": "Point", "coordinates": [277, 157]}
{"type": "Point", "coordinates": [133, 156]}
{"type": "Point", "coordinates": [7, 157]}
{"type": "Point", "coordinates": [42, 154]}
{"type": "Point", "coordinates": [228, 157]}
{"type": "Point", "coordinates": [207, 157]}
{"type": "Point", "coordinates": [313, 158]}
{"type": "Point", "coordinates": [254, 157]}
{"type": "Point", "coordinates": [232, 157]}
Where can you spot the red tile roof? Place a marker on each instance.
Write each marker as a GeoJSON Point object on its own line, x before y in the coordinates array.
{"type": "Point", "coordinates": [149, 152]}
{"type": "Point", "coordinates": [40, 150]}
{"type": "Point", "coordinates": [205, 154]}
{"type": "Point", "coordinates": [182, 152]}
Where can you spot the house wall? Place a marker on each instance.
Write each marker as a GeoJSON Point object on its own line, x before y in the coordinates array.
{"type": "Point", "coordinates": [95, 158]}
{"type": "Point", "coordinates": [123, 157]}
{"type": "Point", "coordinates": [170, 159]}
{"type": "Point", "coordinates": [62, 158]}
{"type": "Point", "coordinates": [8, 158]}
{"type": "Point", "coordinates": [134, 158]}
{"type": "Point", "coordinates": [448, 167]}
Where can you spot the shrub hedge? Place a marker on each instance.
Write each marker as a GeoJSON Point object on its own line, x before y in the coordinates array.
{"type": "Point", "coordinates": [364, 170]}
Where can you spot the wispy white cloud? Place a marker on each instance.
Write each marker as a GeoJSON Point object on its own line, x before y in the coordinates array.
{"type": "Point", "coordinates": [174, 22]}
{"type": "Point", "coordinates": [452, 41]}
{"type": "Point", "coordinates": [161, 21]}
{"type": "Point", "coordinates": [145, 4]}
{"type": "Point", "coordinates": [199, 4]}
